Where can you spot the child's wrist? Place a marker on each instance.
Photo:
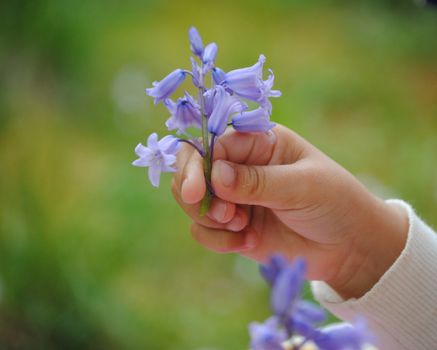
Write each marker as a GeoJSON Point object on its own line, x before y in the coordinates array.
{"type": "Point", "coordinates": [374, 250]}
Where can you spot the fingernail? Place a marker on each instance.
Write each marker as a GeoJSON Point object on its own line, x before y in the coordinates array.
{"type": "Point", "coordinates": [236, 223]}
{"type": "Point", "coordinates": [251, 239]}
{"type": "Point", "coordinates": [218, 211]}
{"type": "Point", "coordinates": [227, 174]}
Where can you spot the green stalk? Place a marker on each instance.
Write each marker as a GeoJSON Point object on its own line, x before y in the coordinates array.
{"type": "Point", "coordinates": [206, 201]}
{"type": "Point", "coordinates": [207, 162]}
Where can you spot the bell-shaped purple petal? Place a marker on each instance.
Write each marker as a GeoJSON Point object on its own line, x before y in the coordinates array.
{"type": "Point", "coordinates": [266, 92]}
{"type": "Point", "coordinates": [224, 107]}
{"type": "Point", "coordinates": [287, 288]}
{"type": "Point", "coordinates": [159, 156]}
{"type": "Point", "coordinates": [309, 311]}
{"type": "Point", "coordinates": [267, 335]}
{"type": "Point", "coordinates": [343, 336]}
{"type": "Point", "coordinates": [185, 113]}
{"type": "Point", "coordinates": [210, 53]}
{"type": "Point", "coordinates": [218, 75]}
{"type": "Point", "coordinates": [304, 318]}
{"type": "Point", "coordinates": [297, 325]}
{"type": "Point", "coordinates": [145, 155]}
{"type": "Point", "coordinates": [257, 120]}
{"type": "Point", "coordinates": [271, 270]}
{"type": "Point", "coordinates": [196, 44]}
{"type": "Point", "coordinates": [246, 82]}
{"type": "Point", "coordinates": [164, 88]}
{"type": "Point", "coordinates": [209, 96]}
{"type": "Point", "coordinates": [169, 145]}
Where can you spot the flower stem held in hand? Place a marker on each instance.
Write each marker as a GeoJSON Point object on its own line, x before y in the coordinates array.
{"type": "Point", "coordinates": [207, 157]}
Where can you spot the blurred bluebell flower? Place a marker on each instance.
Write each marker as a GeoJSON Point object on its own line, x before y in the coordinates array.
{"type": "Point", "coordinates": [224, 106]}
{"type": "Point", "coordinates": [343, 336]}
{"type": "Point", "coordinates": [267, 335]}
{"type": "Point", "coordinates": [303, 319]}
{"type": "Point", "coordinates": [196, 44]}
{"type": "Point", "coordinates": [309, 312]}
{"type": "Point", "coordinates": [271, 270]}
{"type": "Point", "coordinates": [296, 325]}
{"type": "Point", "coordinates": [185, 113]}
{"type": "Point", "coordinates": [287, 288]}
{"type": "Point", "coordinates": [299, 319]}
{"type": "Point", "coordinates": [164, 88]}
{"type": "Point", "coordinates": [257, 120]}
{"type": "Point", "coordinates": [159, 156]}
{"type": "Point", "coordinates": [210, 53]}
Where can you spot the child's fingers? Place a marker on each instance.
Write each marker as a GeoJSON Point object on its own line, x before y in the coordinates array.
{"type": "Point", "coordinates": [221, 241]}
{"type": "Point", "coordinates": [250, 148]}
{"type": "Point", "coordinates": [240, 220]}
{"type": "Point", "coordinates": [190, 180]}
{"type": "Point", "coordinates": [275, 186]}
{"type": "Point", "coordinates": [278, 146]}
{"type": "Point", "coordinates": [221, 211]}
{"type": "Point", "coordinates": [234, 219]}
{"type": "Point", "coordinates": [192, 210]}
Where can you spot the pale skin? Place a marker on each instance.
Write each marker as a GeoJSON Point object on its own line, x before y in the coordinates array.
{"type": "Point", "coordinates": [276, 193]}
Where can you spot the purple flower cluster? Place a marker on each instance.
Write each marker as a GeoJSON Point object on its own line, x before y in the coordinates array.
{"type": "Point", "coordinates": [293, 316]}
{"type": "Point", "coordinates": [214, 109]}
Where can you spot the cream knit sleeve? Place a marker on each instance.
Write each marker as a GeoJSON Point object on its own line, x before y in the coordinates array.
{"type": "Point", "coordinates": [401, 308]}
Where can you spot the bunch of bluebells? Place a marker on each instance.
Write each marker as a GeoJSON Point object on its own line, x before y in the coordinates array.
{"type": "Point", "coordinates": [215, 107]}
{"type": "Point", "coordinates": [295, 324]}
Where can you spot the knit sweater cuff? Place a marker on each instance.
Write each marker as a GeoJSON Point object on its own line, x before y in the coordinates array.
{"type": "Point", "coordinates": [401, 308]}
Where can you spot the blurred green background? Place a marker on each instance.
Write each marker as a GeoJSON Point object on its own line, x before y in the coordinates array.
{"type": "Point", "coordinates": [93, 257]}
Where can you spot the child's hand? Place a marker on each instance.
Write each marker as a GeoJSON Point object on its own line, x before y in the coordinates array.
{"type": "Point", "coordinates": [276, 193]}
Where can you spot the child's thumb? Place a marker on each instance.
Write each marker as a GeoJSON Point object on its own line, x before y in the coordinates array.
{"type": "Point", "coordinates": [271, 186]}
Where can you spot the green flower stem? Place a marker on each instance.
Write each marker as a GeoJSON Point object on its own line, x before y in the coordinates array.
{"type": "Point", "coordinates": [207, 161]}
{"type": "Point", "coordinates": [207, 168]}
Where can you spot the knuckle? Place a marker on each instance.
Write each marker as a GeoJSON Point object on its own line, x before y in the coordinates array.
{"type": "Point", "coordinates": [253, 181]}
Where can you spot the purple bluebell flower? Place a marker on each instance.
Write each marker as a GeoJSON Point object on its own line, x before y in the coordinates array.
{"type": "Point", "coordinates": [218, 75]}
{"type": "Point", "coordinates": [224, 107]}
{"type": "Point", "coordinates": [287, 288]}
{"type": "Point", "coordinates": [267, 335]}
{"type": "Point", "coordinates": [248, 83]}
{"type": "Point", "coordinates": [185, 113]}
{"type": "Point", "coordinates": [164, 88]}
{"type": "Point", "coordinates": [343, 336]}
{"type": "Point", "coordinates": [299, 319]}
{"type": "Point", "coordinates": [257, 120]}
{"type": "Point", "coordinates": [210, 53]}
{"type": "Point", "coordinates": [196, 44]}
{"type": "Point", "coordinates": [159, 156]}
{"type": "Point", "coordinates": [271, 270]}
